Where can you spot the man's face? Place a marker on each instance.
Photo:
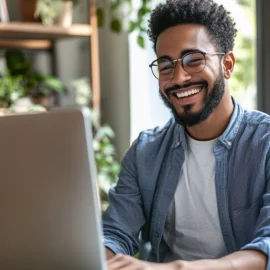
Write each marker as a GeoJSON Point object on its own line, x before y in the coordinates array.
{"type": "Point", "coordinates": [201, 92]}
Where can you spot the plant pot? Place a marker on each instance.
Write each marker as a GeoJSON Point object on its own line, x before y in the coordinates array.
{"type": "Point", "coordinates": [5, 111]}
{"type": "Point", "coordinates": [27, 10]}
{"type": "Point", "coordinates": [47, 102]}
{"type": "Point", "coordinates": [64, 18]}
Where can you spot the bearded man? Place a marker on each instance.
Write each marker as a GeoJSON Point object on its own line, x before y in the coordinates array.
{"type": "Point", "coordinates": [196, 189]}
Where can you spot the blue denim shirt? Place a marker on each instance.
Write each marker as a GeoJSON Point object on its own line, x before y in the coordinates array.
{"type": "Point", "coordinates": [150, 174]}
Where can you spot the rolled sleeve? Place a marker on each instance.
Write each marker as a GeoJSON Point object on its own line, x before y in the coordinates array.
{"type": "Point", "coordinates": [124, 218]}
{"type": "Point", "coordinates": [113, 245]}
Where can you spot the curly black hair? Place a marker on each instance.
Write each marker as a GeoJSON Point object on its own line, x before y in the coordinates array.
{"type": "Point", "coordinates": [220, 25]}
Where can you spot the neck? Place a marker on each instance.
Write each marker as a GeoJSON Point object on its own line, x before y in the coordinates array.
{"type": "Point", "coordinates": [216, 123]}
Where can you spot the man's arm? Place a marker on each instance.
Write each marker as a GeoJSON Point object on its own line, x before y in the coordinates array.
{"type": "Point", "coordinates": [241, 260]}
{"type": "Point", "coordinates": [124, 218]}
{"type": "Point", "coordinates": [109, 253]}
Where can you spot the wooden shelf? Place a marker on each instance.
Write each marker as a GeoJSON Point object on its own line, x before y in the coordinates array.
{"type": "Point", "coordinates": [17, 30]}
{"type": "Point", "coordinates": [35, 36]}
{"type": "Point", "coordinates": [26, 44]}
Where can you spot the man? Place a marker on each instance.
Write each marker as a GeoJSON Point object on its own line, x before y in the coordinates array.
{"type": "Point", "coordinates": [198, 188]}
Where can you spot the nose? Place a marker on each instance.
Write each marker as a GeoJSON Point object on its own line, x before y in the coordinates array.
{"type": "Point", "coordinates": [180, 76]}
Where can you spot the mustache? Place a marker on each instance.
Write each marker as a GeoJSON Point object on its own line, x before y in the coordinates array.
{"type": "Point", "coordinates": [181, 86]}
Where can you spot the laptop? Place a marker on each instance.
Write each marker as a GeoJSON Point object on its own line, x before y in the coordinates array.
{"type": "Point", "coordinates": [49, 209]}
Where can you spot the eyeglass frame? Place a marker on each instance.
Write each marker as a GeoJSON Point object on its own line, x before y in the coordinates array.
{"type": "Point", "coordinates": [174, 62]}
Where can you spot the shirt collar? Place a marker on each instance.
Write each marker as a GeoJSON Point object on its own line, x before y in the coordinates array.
{"type": "Point", "coordinates": [228, 136]}
{"type": "Point", "coordinates": [230, 132]}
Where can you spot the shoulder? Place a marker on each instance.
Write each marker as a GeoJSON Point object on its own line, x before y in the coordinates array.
{"type": "Point", "coordinates": [254, 131]}
{"type": "Point", "coordinates": [157, 135]}
{"type": "Point", "coordinates": [256, 122]}
{"type": "Point", "coordinates": [150, 147]}
{"type": "Point", "coordinates": [256, 117]}
{"type": "Point", "coordinates": [153, 141]}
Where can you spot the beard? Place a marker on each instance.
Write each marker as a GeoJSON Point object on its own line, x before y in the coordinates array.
{"type": "Point", "coordinates": [211, 101]}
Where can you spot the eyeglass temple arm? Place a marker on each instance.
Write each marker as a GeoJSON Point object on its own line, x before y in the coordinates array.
{"type": "Point", "coordinates": [219, 53]}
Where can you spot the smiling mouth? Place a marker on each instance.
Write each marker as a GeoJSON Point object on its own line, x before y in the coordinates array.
{"type": "Point", "coordinates": [187, 93]}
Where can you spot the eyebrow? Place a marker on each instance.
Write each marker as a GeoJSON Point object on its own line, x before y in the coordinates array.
{"type": "Point", "coordinates": [189, 51]}
{"type": "Point", "coordinates": [181, 55]}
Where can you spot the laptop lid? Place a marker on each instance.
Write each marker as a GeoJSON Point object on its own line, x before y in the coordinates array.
{"type": "Point", "coordinates": [49, 214]}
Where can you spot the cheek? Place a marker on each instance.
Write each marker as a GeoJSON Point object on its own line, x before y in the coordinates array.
{"type": "Point", "coordinates": [163, 86]}
{"type": "Point", "coordinates": [208, 76]}
{"type": "Point", "coordinates": [213, 73]}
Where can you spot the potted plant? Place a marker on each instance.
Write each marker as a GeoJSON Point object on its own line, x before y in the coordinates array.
{"type": "Point", "coordinates": [48, 11]}
{"type": "Point", "coordinates": [55, 11]}
{"type": "Point", "coordinates": [27, 10]}
{"type": "Point", "coordinates": [42, 89]}
{"type": "Point", "coordinates": [11, 88]}
{"type": "Point", "coordinates": [119, 13]}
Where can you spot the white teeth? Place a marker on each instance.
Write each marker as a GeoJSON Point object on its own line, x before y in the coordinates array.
{"type": "Point", "coordinates": [188, 93]}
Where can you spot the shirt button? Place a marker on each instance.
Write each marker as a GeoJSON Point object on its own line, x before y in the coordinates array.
{"type": "Point", "coordinates": [157, 234]}
{"type": "Point", "coordinates": [229, 144]}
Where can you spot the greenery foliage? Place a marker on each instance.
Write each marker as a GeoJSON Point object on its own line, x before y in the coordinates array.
{"type": "Point", "coordinates": [244, 3]}
{"type": "Point", "coordinates": [243, 81]}
{"type": "Point", "coordinates": [19, 81]}
{"type": "Point", "coordinates": [105, 153]}
{"type": "Point", "coordinates": [11, 89]}
{"type": "Point", "coordinates": [48, 10]}
{"type": "Point", "coordinates": [122, 15]}
{"type": "Point", "coordinates": [20, 69]}
{"type": "Point", "coordinates": [108, 167]}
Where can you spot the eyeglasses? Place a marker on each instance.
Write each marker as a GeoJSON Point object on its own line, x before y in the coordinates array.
{"type": "Point", "coordinates": [193, 62]}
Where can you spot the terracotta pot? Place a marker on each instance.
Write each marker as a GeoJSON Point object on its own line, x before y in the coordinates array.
{"type": "Point", "coordinates": [64, 18]}
{"type": "Point", "coordinates": [27, 10]}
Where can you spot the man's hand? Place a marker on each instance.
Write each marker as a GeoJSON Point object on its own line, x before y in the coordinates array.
{"type": "Point", "coordinates": [241, 260]}
{"type": "Point", "coordinates": [125, 262]}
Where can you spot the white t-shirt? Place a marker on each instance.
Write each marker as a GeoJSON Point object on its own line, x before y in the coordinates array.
{"type": "Point", "coordinates": [192, 229]}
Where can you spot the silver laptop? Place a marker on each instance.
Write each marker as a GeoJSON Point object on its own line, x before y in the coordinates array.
{"type": "Point", "coordinates": [49, 210]}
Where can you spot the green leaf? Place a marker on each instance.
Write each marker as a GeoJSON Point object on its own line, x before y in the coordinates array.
{"type": "Point", "coordinates": [105, 131]}
{"type": "Point", "coordinates": [245, 3]}
{"type": "Point", "coordinates": [140, 41]}
{"type": "Point", "coordinates": [142, 29]}
{"type": "Point", "coordinates": [145, 2]}
{"type": "Point", "coordinates": [17, 63]}
{"type": "Point", "coordinates": [100, 17]}
{"type": "Point", "coordinates": [116, 25]}
{"type": "Point", "coordinates": [132, 26]}
{"type": "Point", "coordinates": [143, 11]}
{"type": "Point", "coordinates": [10, 89]}
{"type": "Point", "coordinates": [53, 83]}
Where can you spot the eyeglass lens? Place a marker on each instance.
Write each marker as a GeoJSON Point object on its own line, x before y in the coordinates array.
{"type": "Point", "coordinates": [163, 69]}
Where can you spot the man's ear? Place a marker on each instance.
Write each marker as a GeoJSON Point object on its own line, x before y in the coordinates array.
{"type": "Point", "coordinates": [228, 64]}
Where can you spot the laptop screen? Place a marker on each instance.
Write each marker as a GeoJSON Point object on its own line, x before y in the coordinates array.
{"type": "Point", "coordinates": [49, 210]}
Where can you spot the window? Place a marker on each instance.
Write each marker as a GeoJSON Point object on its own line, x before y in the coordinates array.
{"type": "Point", "coordinates": [243, 82]}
